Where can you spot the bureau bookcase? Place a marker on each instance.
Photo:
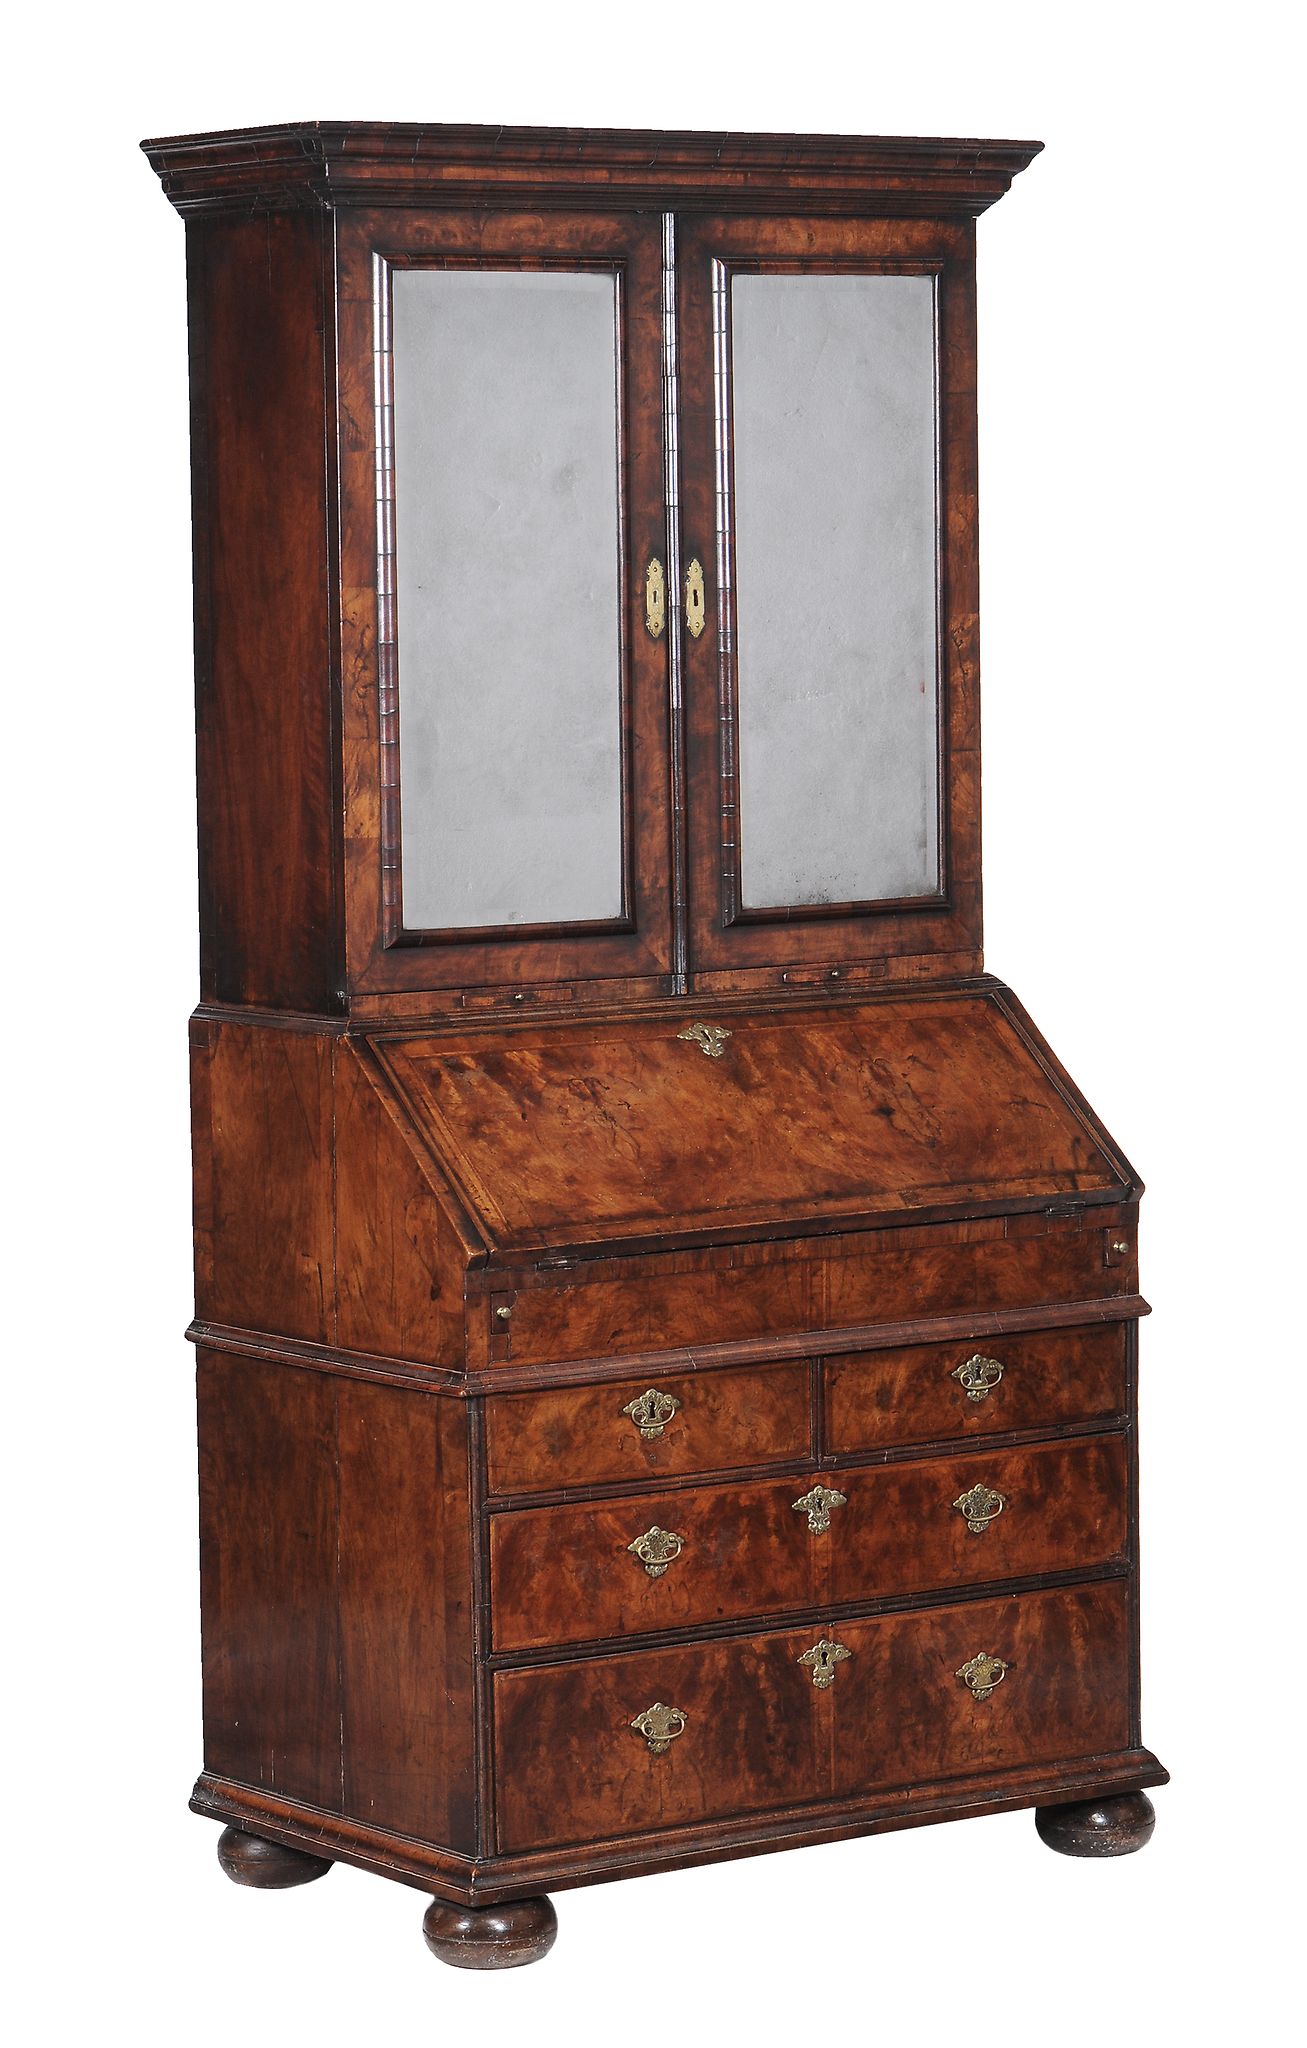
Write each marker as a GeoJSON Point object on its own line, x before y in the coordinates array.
{"type": "Point", "coordinates": [667, 1323]}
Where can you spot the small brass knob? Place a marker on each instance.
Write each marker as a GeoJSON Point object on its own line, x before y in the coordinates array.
{"type": "Point", "coordinates": [660, 1725]}
{"type": "Point", "coordinates": [1120, 1247]}
{"type": "Point", "coordinates": [504, 1312]}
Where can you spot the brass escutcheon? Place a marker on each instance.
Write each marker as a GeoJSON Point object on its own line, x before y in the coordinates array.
{"type": "Point", "coordinates": [651, 1411]}
{"type": "Point", "coordinates": [659, 1726]}
{"type": "Point", "coordinates": [695, 601]}
{"type": "Point", "coordinates": [978, 1375]}
{"type": "Point", "coordinates": [655, 599]}
{"type": "Point", "coordinates": [821, 1660]}
{"type": "Point", "coordinates": [981, 1505]}
{"type": "Point", "coordinates": [816, 1504]}
{"type": "Point", "coordinates": [656, 1549]}
{"type": "Point", "coordinates": [710, 1038]}
{"type": "Point", "coordinates": [981, 1673]}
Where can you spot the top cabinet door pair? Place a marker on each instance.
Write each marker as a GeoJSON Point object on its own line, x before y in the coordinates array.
{"type": "Point", "coordinates": [674, 564]}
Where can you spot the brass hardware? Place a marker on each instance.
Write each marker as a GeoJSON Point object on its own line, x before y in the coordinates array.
{"type": "Point", "coordinates": [695, 607]}
{"type": "Point", "coordinates": [651, 1411]}
{"type": "Point", "coordinates": [710, 1038]}
{"type": "Point", "coordinates": [978, 1375]}
{"type": "Point", "coordinates": [981, 1673]}
{"type": "Point", "coordinates": [655, 599]}
{"type": "Point", "coordinates": [504, 1312]}
{"type": "Point", "coordinates": [656, 1549]}
{"type": "Point", "coordinates": [1120, 1247]}
{"type": "Point", "coordinates": [821, 1660]}
{"type": "Point", "coordinates": [981, 1506]}
{"type": "Point", "coordinates": [659, 1726]}
{"type": "Point", "coordinates": [816, 1504]}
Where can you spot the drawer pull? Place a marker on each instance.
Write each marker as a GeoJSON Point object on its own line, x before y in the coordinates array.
{"type": "Point", "coordinates": [821, 1660]}
{"type": "Point", "coordinates": [651, 1412]}
{"type": "Point", "coordinates": [981, 1673]}
{"type": "Point", "coordinates": [656, 1549]}
{"type": "Point", "coordinates": [978, 1375]}
{"type": "Point", "coordinates": [659, 1726]}
{"type": "Point", "coordinates": [980, 1505]}
{"type": "Point", "coordinates": [817, 1505]}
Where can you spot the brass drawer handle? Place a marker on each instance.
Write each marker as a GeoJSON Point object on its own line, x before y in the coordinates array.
{"type": "Point", "coordinates": [978, 1375]}
{"type": "Point", "coordinates": [821, 1660]}
{"type": "Point", "coordinates": [655, 599]}
{"type": "Point", "coordinates": [651, 1411]}
{"type": "Point", "coordinates": [980, 1505]}
{"type": "Point", "coordinates": [656, 1549]}
{"type": "Point", "coordinates": [981, 1673]}
{"type": "Point", "coordinates": [710, 1038]}
{"type": "Point", "coordinates": [659, 1726]}
{"type": "Point", "coordinates": [816, 1504]}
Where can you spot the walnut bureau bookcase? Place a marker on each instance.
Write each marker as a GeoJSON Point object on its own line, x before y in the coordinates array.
{"type": "Point", "coordinates": [666, 1321]}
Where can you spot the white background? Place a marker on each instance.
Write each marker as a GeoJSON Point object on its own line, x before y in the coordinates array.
{"type": "Point", "coordinates": [1141, 496]}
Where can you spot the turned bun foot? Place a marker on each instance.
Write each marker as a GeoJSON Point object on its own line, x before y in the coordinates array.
{"type": "Point", "coordinates": [1098, 1827]}
{"type": "Point", "coordinates": [268, 1866]}
{"type": "Point", "coordinates": [490, 1937]}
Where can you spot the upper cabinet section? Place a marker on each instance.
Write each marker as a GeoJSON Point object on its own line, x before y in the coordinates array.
{"type": "Point", "coordinates": [586, 561]}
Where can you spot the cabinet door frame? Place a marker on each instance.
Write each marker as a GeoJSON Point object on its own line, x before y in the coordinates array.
{"type": "Point", "coordinates": [383, 956]}
{"type": "Point", "coordinates": [730, 946]}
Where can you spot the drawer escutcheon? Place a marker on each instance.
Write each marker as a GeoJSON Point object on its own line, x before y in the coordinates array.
{"type": "Point", "coordinates": [978, 1374]}
{"type": "Point", "coordinates": [980, 1505]}
{"type": "Point", "coordinates": [816, 1504]}
{"type": "Point", "coordinates": [656, 1549]}
{"type": "Point", "coordinates": [660, 1725]}
{"type": "Point", "coordinates": [981, 1673]}
{"type": "Point", "coordinates": [822, 1659]}
{"type": "Point", "coordinates": [651, 1412]}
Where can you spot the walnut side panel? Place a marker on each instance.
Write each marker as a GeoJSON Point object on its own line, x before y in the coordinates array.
{"type": "Point", "coordinates": [261, 367]}
{"type": "Point", "coordinates": [262, 1112]}
{"type": "Point", "coordinates": [406, 1600]}
{"type": "Point", "coordinates": [399, 1263]}
{"type": "Point", "coordinates": [268, 1481]}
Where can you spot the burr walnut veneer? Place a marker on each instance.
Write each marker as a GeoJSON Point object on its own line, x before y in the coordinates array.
{"type": "Point", "coordinates": [667, 1323]}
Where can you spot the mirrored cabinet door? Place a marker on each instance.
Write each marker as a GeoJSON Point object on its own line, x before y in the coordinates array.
{"type": "Point", "coordinates": [519, 492]}
{"type": "Point", "coordinates": [829, 496]}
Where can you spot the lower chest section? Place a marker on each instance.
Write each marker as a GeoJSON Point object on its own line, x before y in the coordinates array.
{"type": "Point", "coordinates": [740, 1592]}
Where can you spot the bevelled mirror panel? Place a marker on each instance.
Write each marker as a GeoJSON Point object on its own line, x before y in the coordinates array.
{"type": "Point", "coordinates": [833, 512]}
{"type": "Point", "coordinates": [508, 592]}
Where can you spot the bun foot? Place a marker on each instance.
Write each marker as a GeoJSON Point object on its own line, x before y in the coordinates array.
{"type": "Point", "coordinates": [1098, 1827]}
{"type": "Point", "coordinates": [490, 1937]}
{"type": "Point", "coordinates": [268, 1866]}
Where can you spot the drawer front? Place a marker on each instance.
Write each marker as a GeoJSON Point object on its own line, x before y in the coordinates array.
{"type": "Point", "coordinates": [740, 1727]}
{"type": "Point", "coordinates": [906, 1717]}
{"type": "Point", "coordinates": [934, 1523]}
{"type": "Point", "coordinates": [1043, 1378]}
{"type": "Point", "coordinates": [697, 1556]}
{"type": "Point", "coordinates": [692, 1422]}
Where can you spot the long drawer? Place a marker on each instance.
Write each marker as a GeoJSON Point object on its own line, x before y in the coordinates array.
{"type": "Point", "coordinates": [648, 1739]}
{"type": "Point", "coordinates": [1039, 1379]}
{"type": "Point", "coordinates": [696, 1556]}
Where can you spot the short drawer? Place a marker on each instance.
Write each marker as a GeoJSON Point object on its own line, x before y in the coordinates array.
{"type": "Point", "coordinates": [640, 1429]}
{"type": "Point", "coordinates": [611, 1746]}
{"type": "Point", "coordinates": [1037, 1380]}
{"type": "Point", "coordinates": [700, 1555]}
